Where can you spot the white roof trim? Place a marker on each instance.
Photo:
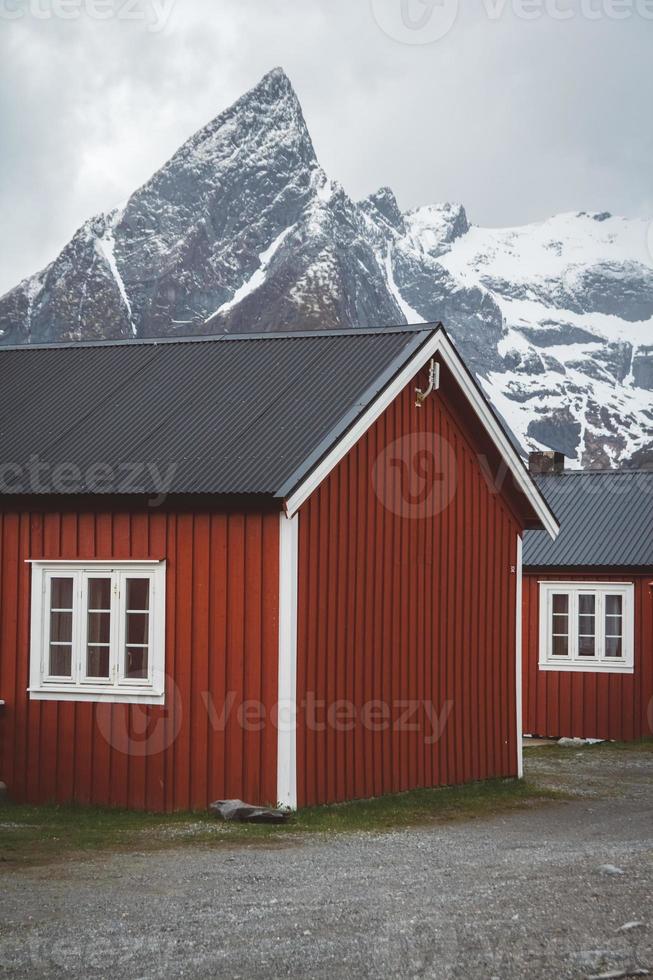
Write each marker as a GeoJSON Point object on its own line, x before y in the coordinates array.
{"type": "Point", "coordinates": [440, 344]}
{"type": "Point", "coordinates": [522, 477]}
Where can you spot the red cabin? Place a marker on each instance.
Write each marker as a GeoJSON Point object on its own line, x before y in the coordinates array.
{"type": "Point", "coordinates": [280, 567]}
{"type": "Point", "coordinates": [588, 606]}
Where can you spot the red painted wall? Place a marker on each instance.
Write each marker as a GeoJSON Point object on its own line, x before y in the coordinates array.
{"type": "Point", "coordinates": [221, 636]}
{"type": "Point", "coordinates": [583, 704]}
{"type": "Point", "coordinates": [403, 599]}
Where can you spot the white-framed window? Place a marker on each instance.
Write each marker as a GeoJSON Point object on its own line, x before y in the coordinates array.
{"type": "Point", "coordinates": [98, 631]}
{"type": "Point", "coordinates": [587, 626]}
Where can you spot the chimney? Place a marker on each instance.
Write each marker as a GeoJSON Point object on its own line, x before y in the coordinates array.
{"type": "Point", "coordinates": [549, 462]}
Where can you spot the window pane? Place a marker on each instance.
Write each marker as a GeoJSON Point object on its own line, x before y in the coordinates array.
{"type": "Point", "coordinates": [613, 605]}
{"type": "Point", "coordinates": [560, 625]}
{"type": "Point", "coordinates": [61, 593]}
{"type": "Point", "coordinates": [99, 593]}
{"type": "Point", "coordinates": [586, 625]}
{"type": "Point", "coordinates": [561, 604]}
{"type": "Point", "coordinates": [613, 626]}
{"type": "Point", "coordinates": [560, 647]}
{"type": "Point", "coordinates": [99, 627]}
{"type": "Point", "coordinates": [613, 646]}
{"type": "Point", "coordinates": [137, 628]}
{"type": "Point", "coordinates": [61, 661]}
{"type": "Point", "coordinates": [586, 646]}
{"type": "Point", "coordinates": [138, 594]}
{"type": "Point", "coordinates": [136, 662]}
{"type": "Point", "coordinates": [586, 604]}
{"type": "Point", "coordinates": [97, 662]}
{"type": "Point", "coordinates": [61, 627]}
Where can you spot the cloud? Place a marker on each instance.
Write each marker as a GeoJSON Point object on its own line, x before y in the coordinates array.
{"type": "Point", "coordinates": [515, 118]}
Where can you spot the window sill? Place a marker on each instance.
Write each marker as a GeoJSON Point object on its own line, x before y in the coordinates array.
{"type": "Point", "coordinates": [581, 668]}
{"type": "Point", "coordinates": [107, 697]}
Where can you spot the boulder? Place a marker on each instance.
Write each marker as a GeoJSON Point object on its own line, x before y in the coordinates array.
{"type": "Point", "coordinates": [241, 812]}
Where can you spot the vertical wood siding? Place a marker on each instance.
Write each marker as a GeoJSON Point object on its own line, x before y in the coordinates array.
{"type": "Point", "coordinates": [583, 704]}
{"type": "Point", "coordinates": [405, 614]}
{"type": "Point", "coordinates": [221, 644]}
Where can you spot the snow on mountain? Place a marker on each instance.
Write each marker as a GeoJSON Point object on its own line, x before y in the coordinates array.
{"type": "Point", "coordinates": [243, 230]}
{"type": "Point", "coordinates": [576, 295]}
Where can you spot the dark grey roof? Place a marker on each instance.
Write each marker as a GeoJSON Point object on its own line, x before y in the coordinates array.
{"type": "Point", "coordinates": [227, 414]}
{"type": "Point", "coordinates": [606, 519]}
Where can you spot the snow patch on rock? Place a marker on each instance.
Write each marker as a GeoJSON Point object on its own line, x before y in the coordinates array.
{"type": "Point", "coordinates": [106, 248]}
{"type": "Point", "coordinates": [411, 315]}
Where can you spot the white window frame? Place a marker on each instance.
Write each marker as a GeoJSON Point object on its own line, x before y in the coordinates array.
{"type": "Point", "coordinates": [598, 664]}
{"type": "Point", "coordinates": [116, 688]}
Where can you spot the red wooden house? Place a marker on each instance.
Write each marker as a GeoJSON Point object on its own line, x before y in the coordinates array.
{"type": "Point", "coordinates": [588, 606]}
{"type": "Point", "coordinates": [263, 567]}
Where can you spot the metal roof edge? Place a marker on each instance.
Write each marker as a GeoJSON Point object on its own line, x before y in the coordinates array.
{"type": "Point", "coordinates": [548, 568]}
{"type": "Point", "coordinates": [288, 334]}
{"type": "Point", "coordinates": [596, 473]}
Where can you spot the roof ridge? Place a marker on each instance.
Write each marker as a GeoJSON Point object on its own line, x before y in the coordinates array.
{"type": "Point", "coordinates": [281, 334]}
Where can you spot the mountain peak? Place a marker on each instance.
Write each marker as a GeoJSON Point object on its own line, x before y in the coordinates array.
{"type": "Point", "coordinates": [276, 80]}
{"type": "Point", "coordinates": [274, 90]}
{"type": "Point", "coordinates": [385, 203]}
{"type": "Point", "coordinates": [270, 105]}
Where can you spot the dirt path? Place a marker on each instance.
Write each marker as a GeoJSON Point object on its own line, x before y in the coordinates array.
{"type": "Point", "coordinates": [525, 894]}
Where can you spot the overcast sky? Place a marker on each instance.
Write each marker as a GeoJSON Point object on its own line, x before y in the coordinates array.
{"type": "Point", "coordinates": [516, 118]}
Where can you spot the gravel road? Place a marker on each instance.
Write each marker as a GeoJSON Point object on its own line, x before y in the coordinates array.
{"type": "Point", "coordinates": [523, 895]}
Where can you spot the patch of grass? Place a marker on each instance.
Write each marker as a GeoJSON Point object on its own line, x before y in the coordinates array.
{"type": "Point", "coordinates": [33, 834]}
{"type": "Point", "coordinates": [38, 834]}
{"type": "Point", "coordinates": [425, 806]}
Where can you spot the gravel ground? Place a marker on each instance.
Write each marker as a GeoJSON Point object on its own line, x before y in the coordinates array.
{"type": "Point", "coordinates": [523, 894]}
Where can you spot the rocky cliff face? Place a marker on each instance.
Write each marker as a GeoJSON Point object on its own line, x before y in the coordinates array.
{"type": "Point", "coordinates": [243, 231]}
